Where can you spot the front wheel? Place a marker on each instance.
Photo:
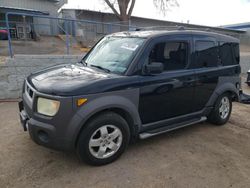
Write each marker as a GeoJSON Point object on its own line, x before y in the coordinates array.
{"type": "Point", "coordinates": [222, 110]}
{"type": "Point", "coordinates": [103, 139]}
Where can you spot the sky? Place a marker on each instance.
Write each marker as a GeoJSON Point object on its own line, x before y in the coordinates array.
{"type": "Point", "coordinates": [202, 12]}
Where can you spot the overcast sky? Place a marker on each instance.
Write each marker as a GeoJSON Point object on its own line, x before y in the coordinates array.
{"type": "Point", "coordinates": [203, 12]}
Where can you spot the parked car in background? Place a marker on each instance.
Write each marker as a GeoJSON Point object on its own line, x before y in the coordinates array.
{"type": "Point", "coordinates": [248, 78]}
{"type": "Point", "coordinates": [132, 85]}
{"type": "Point", "coordinates": [3, 34]}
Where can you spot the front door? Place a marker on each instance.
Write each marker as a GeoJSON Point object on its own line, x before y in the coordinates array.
{"type": "Point", "coordinates": [170, 93]}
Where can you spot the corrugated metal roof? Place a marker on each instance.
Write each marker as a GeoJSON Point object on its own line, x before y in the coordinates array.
{"type": "Point", "coordinates": [22, 10]}
{"type": "Point", "coordinates": [239, 26]}
{"type": "Point", "coordinates": [168, 22]}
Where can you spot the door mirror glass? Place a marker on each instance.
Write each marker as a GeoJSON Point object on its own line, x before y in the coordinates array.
{"type": "Point", "coordinates": [153, 68]}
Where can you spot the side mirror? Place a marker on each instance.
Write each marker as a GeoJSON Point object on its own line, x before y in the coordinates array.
{"type": "Point", "coordinates": [153, 68]}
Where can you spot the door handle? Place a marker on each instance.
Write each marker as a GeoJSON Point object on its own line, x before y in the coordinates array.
{"type": "Point", "coordinates": [203, 77]}
{"type": "Point", "coordinates": [189, 81]}
{"type": "Point", "coordinates": [164, 89]}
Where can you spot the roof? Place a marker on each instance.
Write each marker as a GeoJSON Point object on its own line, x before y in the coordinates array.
{"type": "Point", "coordinates": [238, 26]}
{"type": "Point", "coordinates": [167, 22]}
{"type": "Point", "coordinates": [158, 33]}
{"type": "Point", "coordinates": [22, 10]}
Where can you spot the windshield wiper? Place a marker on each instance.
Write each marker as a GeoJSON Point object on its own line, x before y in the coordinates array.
{"type": "Point", "coordinates": [99, 67]}
{"type": "Point", "coordinates": [83, 62]}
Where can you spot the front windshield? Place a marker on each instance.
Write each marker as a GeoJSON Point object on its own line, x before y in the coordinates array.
{"type": "Point", "coordinates": [114, 53]}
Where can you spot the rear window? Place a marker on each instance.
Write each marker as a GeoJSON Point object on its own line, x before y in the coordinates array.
{"type": "Point", "coordinates": [226, 53]}
{"type": "Point", "coordinates": [236, 52]}
{"type": "Point", "coordinates": [229, 53]}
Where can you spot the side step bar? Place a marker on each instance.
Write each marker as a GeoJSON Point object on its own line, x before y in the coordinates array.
{"type": "Point", "coordinates": [170, 128]}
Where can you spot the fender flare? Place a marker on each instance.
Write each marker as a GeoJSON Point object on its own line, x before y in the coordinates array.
{"type": "Point", "coordinates": [225, 87]}
{"type": "Point", "coordinates": [97, 105]}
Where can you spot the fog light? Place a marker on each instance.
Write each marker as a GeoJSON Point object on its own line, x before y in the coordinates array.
{"type": "Point", "coordinates": [43, 136]}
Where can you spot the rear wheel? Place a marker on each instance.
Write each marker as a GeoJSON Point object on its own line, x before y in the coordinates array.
{"type": "Point", "coordinates": [222, 110]}
{"type": "Point", "coordinates": [104, 139]}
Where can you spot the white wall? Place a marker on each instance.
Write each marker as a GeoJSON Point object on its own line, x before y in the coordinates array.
{"type": "Point", "coordinates": [41, 5]}
{"type": "Point", "coordinates": [13, 71]}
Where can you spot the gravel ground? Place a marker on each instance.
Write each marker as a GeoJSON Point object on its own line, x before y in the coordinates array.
{"type": "Point", "coordinates": [199, 156]}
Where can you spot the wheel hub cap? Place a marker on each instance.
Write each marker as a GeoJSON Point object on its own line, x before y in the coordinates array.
{"type": "Point", "coordinates": [224, 108]}
{"type": "Point", "coordinates": [105, 141]}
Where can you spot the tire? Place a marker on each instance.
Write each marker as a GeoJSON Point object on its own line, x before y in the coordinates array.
{"type": "Point", "coordinates": [104, 139]}
{"type": "Point", "coordinates": [222, 110]}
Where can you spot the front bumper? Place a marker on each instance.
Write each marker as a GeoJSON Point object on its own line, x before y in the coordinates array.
{"type": "Point", "coordinates": [42, 133]}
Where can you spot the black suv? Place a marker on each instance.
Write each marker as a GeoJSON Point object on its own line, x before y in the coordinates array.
{"type": "Point", "coordinates": [132, 85]}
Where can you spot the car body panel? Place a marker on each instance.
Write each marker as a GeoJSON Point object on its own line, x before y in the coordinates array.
{"type": "Point", "coordinates": [152, 101]}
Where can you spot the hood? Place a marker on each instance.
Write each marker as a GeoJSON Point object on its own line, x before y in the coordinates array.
{"type": "Point", "coordinates": [68, 80]}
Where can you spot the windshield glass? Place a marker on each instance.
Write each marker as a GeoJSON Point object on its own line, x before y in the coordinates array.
{"type": "Point", "coordinates": [114, 53]}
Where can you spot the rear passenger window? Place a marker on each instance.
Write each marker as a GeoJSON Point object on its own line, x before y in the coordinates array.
{"type": "Point", "coordinates": [173, 55]}
{"type": "Point", "coordinates": [206, 54]}
{"type": "Point", "coordinates": [225, 51]}
{"type": "Point", "coordinates": [229, 53]}
{"type": "Point", "coordinates": [236, 53]}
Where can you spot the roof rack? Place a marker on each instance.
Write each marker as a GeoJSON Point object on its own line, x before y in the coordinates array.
{"type": "Point", "coordinates": [176, 27]}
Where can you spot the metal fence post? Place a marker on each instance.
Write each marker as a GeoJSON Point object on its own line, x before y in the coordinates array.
{"type": "Point", "coordinates": [110, 28]}
{"type": "Point", "coordinates": [129, 25]}
{"type": "Point", "coordinates": [67, 36]}
{"type": "Point", "coordinates": [9, 37]}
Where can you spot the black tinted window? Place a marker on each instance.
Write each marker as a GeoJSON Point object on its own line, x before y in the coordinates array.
{"type": "Point", "coordinates": [173, 55]}
{"type": "Point", "coordinates": [229, 53]}
{"type": "Point", "coordinates": [236, 53]}
{"type": "Point", "coordinates": [206, 54]}
{"type": "Point", "coordinates": [226, 53]}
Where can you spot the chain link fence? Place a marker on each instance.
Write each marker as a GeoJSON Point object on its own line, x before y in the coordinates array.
{"type": "Point", "coordinates": [37, 34]}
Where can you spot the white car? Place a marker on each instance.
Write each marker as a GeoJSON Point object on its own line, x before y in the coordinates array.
{"type": "Point", "coordinates": [248, 78]}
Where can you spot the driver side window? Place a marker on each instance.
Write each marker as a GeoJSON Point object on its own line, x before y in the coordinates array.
{"type": "Point", "coordinates": [173, 55]}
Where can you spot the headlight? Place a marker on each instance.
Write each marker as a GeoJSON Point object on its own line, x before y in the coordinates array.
{"type": "Point", "coordinates": [47, 106]}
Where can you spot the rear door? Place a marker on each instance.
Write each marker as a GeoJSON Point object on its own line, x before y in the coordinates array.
{"type": "Point", "coordinates": [206, 65]}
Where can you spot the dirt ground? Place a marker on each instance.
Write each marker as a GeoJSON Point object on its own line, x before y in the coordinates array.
{"type": "Point", "coordinates": [199, 156]}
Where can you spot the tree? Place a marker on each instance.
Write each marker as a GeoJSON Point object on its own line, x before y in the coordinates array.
{"type": "Point", "coordinates": [124, 8]}
{"type": "Point", "coordinates": [165, 5]}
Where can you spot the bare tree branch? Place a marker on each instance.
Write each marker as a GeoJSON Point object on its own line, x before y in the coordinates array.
{"type": "Point", "coordinates": [112, 8]}
{"type": "Point", "coordinates": [131, 8]}
{"type": "Point", "coordinates": [123, 8]}
{"type": "Point", "coordinates": [165, 5]}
